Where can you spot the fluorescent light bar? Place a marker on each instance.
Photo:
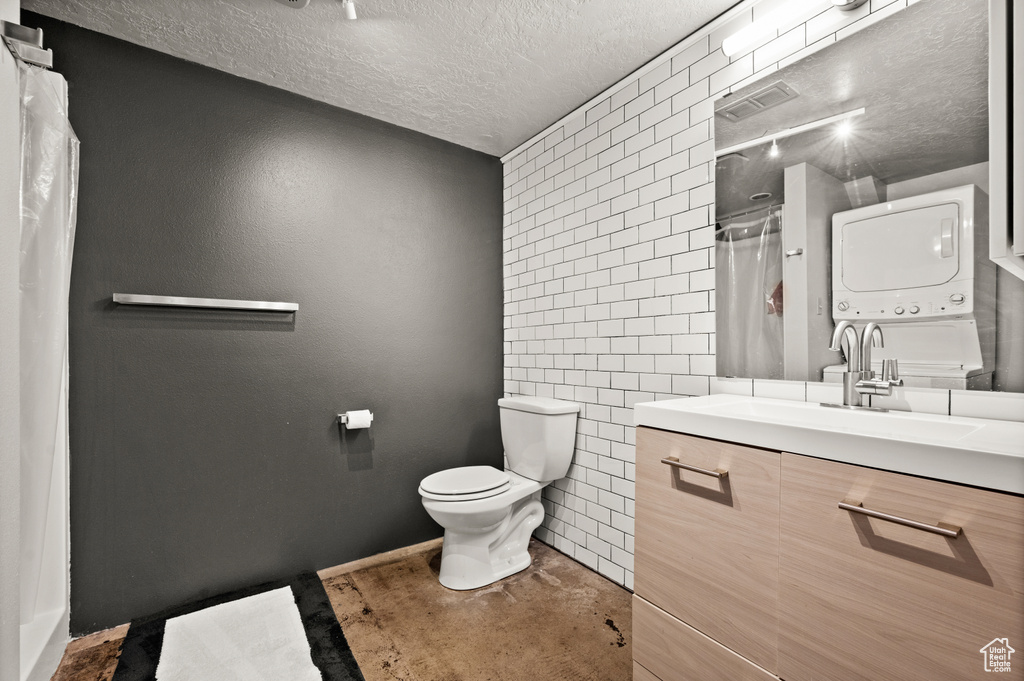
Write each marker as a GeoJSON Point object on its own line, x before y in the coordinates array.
{"type": "Point", "coordinates": [768, 24]}
{"type": "Point", "coordinates": [789, 132]}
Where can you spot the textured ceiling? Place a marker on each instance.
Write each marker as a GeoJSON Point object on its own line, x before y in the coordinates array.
{"type": "Point", "coordinates": [486, 74]}
{"type": "Point", "coordinates": [922, 75]}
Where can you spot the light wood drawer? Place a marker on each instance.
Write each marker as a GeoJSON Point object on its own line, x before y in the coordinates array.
{"type": "Point", "coordinates": [672, 651]}
{"type": "Point", "coordinates": [863, 598]}
{"type": "Point", "coordinates": [707, 550]}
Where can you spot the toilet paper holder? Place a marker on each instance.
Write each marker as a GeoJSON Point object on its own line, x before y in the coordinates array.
{"type": "Point", "coordinates": [343, 418]}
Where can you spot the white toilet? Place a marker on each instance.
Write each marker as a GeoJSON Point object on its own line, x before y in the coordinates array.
{"type": "Point", "coordinates": [488, 515]}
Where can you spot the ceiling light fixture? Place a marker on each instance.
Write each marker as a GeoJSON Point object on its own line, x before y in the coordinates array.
{"type": "Point", "coordinates": [350, 9]}
{"type": "Point", "coordinates": [774, 151]}
{"type": "Point", "coordinates": [766, 26]}
{"type": "Point", "coordinates": [789, 132]}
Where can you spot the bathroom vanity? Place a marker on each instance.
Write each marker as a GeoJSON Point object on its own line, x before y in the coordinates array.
{"type": "Point", "coordinates": [788, 540]}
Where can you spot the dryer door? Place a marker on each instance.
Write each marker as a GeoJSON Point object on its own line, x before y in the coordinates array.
{"type": "Point", "coordinates": [903, 249]}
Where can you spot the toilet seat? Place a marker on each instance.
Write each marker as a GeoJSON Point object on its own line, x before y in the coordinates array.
{"type": "Point", "coordinates": [465, 483]}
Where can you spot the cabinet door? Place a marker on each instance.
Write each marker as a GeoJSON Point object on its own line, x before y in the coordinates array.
{"type": "Point", "coordinates": [707, 548]}
{"type": "Point", "coordinates": [665, 649]}
{"type": "Point", "coordinates": [864, 598]}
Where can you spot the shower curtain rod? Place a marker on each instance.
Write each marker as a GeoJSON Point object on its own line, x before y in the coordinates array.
{"type": "Point", "coordinates": [747, 212]}
{"type": "Point", "coordinates": [26, 44]}
{"type": "Point", "coordinates": [789, 132]}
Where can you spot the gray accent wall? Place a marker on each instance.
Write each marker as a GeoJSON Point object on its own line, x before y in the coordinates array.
{"type": "Point", "coordinates": [205, 455]}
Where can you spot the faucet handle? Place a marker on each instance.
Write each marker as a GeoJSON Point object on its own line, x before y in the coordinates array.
{"type": "Point", "coordinates": [891, 372]}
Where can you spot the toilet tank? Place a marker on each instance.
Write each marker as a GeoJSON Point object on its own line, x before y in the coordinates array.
{"type": "Point", "coordinates": [539, 435]}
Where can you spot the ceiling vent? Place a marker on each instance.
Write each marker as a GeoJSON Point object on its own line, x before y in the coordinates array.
{"type": "Point", "coordinates": [765, 98]}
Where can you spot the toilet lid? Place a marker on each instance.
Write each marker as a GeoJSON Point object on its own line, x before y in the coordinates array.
{"type": "Point", "coordinates": [486, 494]}
{"type": "Point", "coordinates": [465, 480]}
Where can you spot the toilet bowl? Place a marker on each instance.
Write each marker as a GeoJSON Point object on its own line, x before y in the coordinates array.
{"type": "Point", "coordinates": [488, 515]}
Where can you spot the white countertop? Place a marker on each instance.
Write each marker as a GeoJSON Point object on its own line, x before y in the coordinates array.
{"type": "Point", "coordinates": [980, 452]}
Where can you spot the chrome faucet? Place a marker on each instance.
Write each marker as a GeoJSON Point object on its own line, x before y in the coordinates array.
{"type": "Point", "coordinates": [867, 339]}
{"type": "Point", "coordinates": [859, 379]}
{"type": "Point", "coordinates": [853, 374]}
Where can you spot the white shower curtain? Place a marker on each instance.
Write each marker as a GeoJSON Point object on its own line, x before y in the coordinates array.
{"type": "Point", "coordinates": [49, 188]}
{"type": "Point", "coordinates": [748, 295]}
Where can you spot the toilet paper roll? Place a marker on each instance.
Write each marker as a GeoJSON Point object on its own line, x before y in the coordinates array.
{"type": "Point", "coordinates": [358, 419]}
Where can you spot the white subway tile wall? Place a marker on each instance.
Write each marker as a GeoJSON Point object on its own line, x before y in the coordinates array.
{"type": "Point", "coordinates": [986, 405]}
{"type": "Point", "coordinates": [732, 386]}
{"type": "Point", "coordinates": [828, 393]}
{"type": "Point", "coordinates": [1000, 406]}
{"type": "Point", "coordinates": [609, 264]}
{"type": "Point", "coordinates": [921, 400]}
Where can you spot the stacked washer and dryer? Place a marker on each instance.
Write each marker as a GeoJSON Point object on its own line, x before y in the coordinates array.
{"type": "Point", "coordinates": [919, 268]}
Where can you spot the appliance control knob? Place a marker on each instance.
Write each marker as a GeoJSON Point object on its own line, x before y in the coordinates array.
{"type": "Point", "coordinates": [957, 298]}
{"type": "Point", "coordinates": [843, 306]}
{"type": "Point", "coordinates": [914, 309]}
{"type": "Point", "coordinates": [899, 309]}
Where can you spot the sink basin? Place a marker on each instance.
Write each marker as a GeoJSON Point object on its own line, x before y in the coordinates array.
{"type": "Point", "coordinates": [810, 415]}
{"type": "Point", "coordinates": [980, 452]}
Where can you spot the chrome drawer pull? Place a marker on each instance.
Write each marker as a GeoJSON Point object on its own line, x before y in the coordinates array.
{"type": "Point", "coordinates": [674, 462]}
{"type": "Point", "coordinates": [944, 529]}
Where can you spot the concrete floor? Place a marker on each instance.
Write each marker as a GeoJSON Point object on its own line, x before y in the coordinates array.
{"type": "Point", "coordinates": [555, 620]}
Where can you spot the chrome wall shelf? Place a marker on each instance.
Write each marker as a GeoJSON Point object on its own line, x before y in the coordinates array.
{"type": "Point", "coordinates": [207, 303]}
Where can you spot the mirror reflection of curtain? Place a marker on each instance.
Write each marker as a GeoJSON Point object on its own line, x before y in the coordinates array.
{"type": "Point", "coordinates": [749, 295]}
{"type": "Point", "coordinates": [49, 191]}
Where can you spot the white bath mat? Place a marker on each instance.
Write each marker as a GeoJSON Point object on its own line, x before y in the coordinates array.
{"type": "Point", "coordinates": [259, 638]}
{"type": "Point", "coordinates": [286, 631]}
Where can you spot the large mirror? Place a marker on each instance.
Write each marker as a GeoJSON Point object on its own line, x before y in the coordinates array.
{"type": "Point", "coordinates": [868, 140]}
